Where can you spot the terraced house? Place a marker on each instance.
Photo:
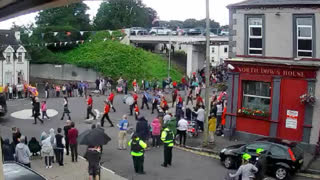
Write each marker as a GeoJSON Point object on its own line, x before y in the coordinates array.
{"type": "Point", "coordinates": [14, 59]}
{"type": "Point", "coordinates": [274, 88]}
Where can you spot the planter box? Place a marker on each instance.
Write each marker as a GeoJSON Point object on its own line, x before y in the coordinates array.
{"type": "Point", "coordinates": [253, 116]}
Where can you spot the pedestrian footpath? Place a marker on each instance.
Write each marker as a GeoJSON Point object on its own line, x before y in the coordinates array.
{"type": "Point", "coordinates": [70, 171]}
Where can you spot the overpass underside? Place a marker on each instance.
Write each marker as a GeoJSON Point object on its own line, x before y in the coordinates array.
{"type": "Point", "coordinates": [13, 8]}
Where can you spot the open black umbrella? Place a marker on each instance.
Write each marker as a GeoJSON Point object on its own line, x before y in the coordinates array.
{"type": "Point", "coordinates": [93, 137]}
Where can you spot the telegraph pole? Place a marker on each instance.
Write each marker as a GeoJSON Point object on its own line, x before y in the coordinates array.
{"type": "Point", "coordinates": [206, 130]}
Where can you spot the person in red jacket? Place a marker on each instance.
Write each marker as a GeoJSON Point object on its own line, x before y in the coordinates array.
{"type": "Point", "coordinates": [164, 104]}
{"type": "Point", "coordinates": [72, 137]}
{"type": "Point", "coordinates": [199, 101]}
{"type": "Point", "coordinates": [110, 99]}
{"type": "Point", "coordinates": [135, 102]}
{"type": "Point", "coordinates": [106, 114]}
{"type": "Point", "coordinates": [136, 111]}
{"type": "Point", "coordinates": [89, 108]}
{"type": "Point", "coordinates": [180, 100]}
{"type": "Point", "coordinates": [174, 96]}
{"type": "Point", "coordinates": [134, 85]}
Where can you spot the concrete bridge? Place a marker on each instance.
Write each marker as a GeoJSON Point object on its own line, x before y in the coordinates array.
{"type": "Point", "coordinates": [177, 39]}
{"type": "Point", "coordinates": [194, 46]}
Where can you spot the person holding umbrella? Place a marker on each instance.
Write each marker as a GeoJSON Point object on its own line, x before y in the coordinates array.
{"type": "Point", "coordinates": [137, 153]}
{"type": "Point", "coordinates": [93, 156]}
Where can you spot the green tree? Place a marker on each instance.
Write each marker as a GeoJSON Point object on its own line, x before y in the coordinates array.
{"type": "Point", "coordinates": [117, 14]}
{"type": "Point", "coordinates": [72, 18]}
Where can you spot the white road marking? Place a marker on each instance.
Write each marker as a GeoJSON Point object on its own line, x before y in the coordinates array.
{"type": "Point", "coordinates": [27, 113]}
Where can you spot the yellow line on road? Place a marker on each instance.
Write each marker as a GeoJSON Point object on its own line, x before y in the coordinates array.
{"type": "Point", "coordinates": [198, 152]}
{"type": "Point", "coordinates": [313, 176]}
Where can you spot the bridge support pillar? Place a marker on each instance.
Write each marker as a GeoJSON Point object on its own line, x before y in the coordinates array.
{"type": "Point", "coordinates": [195, 58]}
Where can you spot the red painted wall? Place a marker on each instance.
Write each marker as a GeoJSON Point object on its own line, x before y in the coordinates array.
{"type": "Point", "coordinates": [291, 90]}
{"type": "Point", "coordinates": [254, 126]}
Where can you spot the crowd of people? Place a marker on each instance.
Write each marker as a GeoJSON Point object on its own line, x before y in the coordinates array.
{"type": "Point", "coordinates": [165, 129]}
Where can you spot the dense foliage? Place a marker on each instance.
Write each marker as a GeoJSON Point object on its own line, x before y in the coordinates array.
{"type": "Point", "coordinates": [117, 14]}
{"type": "Point", "coordinates": [111, 58]}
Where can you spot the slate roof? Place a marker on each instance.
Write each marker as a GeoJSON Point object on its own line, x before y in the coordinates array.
{"type": "Point", "coordinates": [7, 38]}
{"type": "Point", "coordinates": [263, 3]}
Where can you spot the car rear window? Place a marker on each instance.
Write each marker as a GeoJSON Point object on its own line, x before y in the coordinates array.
{"type": "Point", "coordinates": [297, 151]}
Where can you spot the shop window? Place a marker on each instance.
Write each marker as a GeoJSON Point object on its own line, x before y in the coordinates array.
{"type": "Point", "coordinates": [256, 96]}
{"type": "Point", "coordinates": [304, 36]}
{"type": "Point", "coordinates": [255, 35]}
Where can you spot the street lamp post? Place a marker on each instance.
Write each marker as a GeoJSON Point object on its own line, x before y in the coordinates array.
{"type": "Point", "coordinates": [207, 104]}
{"type": "Point", "coordinates": [169, 63]}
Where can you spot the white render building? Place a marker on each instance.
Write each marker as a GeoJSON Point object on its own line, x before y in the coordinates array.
{"type": "Point", "coordinates": [14, 59]}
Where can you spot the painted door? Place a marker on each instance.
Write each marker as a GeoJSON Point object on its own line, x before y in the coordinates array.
{"type": "Point", "coordinates": [291, 109]}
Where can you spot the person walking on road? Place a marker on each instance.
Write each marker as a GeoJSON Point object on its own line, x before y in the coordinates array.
{"type": "Point", "coordinates": [137, 152]}
{"type": "Point", "coordinates": [106, 114]}
{"type": "Point", "coordinates": [66, 129]}
{"type": "Point", "coordinates": [37, 111]}
{"type": "Point", "coordinates": [72, 136]}
{"type": "Point", "coordinates": [246, 170]}
{"type": "Point", "coordinates": [110, 99]}
{"type": "Point", "coordinates": [23, 153]}
{"type": "Point", "coordinates": [174, 96]}
{"type": "Point", "coordinates": [93, 156]}
{"type": "Point", "coordinates": [200, 118]}
{"type": "Point", "coordinates": [167, 137]}
{"type": "Point", "coordinates": [145, 98]}
{"type": "Point", "coordinates": [66, 108]}
{"type": "Point", "coordinates": [136, 111]}
{"type": "Point", "coordinates": [7, 151]}
{"type": "Point", "coordinates": [156, 130]}
{"type": "Point", "coordinates": [155, 103]}
{"type": "Point", "coordinates": [182, 130]}
{"type": "Point", "coordinates": [89, 108]}
{"type": "Point", "coordinates": [135, 102]}
{"type": "Point", "coordinates": [44, 110]}
{"type": "Point", "coordinates": [123, 127]}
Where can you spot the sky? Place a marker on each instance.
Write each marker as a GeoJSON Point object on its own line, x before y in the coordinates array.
{"type": "Point", "coordinates": [167, 10]}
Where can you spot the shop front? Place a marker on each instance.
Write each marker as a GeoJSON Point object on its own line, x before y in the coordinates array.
{"type": "Point", "coordinates": [270, 100]}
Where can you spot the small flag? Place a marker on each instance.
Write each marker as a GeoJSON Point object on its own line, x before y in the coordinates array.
{"type": "Point", "coordinates": [46, 44]}
{"type": "Point", "coordinates": [104, 39]}
{"type": "Point", "coordinates": [81, 33]}
{"type": "Point", "coordinates": [30, 34]}
{"type": "Point", "coordinates": [55, 44]}
{"type": "Point", "coordinates": [90, 40]}
{"type": "Point", "coordinates": [55, 33]}
{"type": "Point", "coordinates": [77, 42]}
{"type": "Point", "coordinates": [60, 43]}
{"type": "Point", "coordinates": [65, 43]}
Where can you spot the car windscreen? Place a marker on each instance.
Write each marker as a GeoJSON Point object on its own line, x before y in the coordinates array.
{"type": "Point", "coordinates": [14, 171]}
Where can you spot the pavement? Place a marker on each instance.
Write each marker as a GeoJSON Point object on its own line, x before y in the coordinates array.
{"type": "Point", "coordinates": [187, 164]}
{"type": "Point", "coordinates": [69, 170]}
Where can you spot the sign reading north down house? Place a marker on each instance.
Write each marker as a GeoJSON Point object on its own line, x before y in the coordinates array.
{"type": "Point", "coordinates": [276, 71]}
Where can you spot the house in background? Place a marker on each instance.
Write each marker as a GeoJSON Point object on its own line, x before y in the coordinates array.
{"type": "Point", "coordinates": [14, 59]}
{"type": "Point", "coordinates": [275, 54]}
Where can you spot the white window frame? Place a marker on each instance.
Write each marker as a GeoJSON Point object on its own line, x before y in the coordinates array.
{"type": "Point", "coordinates": [20, 57]}
{"type": "Point", "coordinates": [8, 58]}
{"type": "Point", "coordinates": [255, 37]}
{"type": "Point", "coordinates": [304, 38]}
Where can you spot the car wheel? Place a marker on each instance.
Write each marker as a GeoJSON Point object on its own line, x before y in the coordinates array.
{"type": "Point", "coordinates": [228, 162]}
{"type": "Point", "coordinates": [281, 173]}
